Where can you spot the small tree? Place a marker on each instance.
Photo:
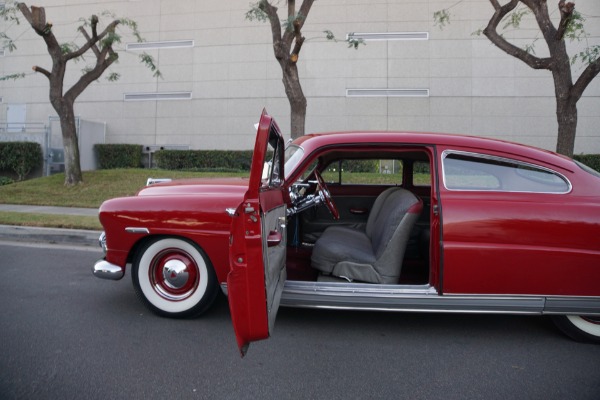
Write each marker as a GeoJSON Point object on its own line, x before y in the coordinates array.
{"type": "Point", "coordinates": [287, 43]}
{"type": "Point", "coordinates": [101, 44]}
{"type": "Point", "coordinates": [558, 62]}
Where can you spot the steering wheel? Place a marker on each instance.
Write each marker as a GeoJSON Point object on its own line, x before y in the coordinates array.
{"type": "Point", "coordinates": [326, 196]}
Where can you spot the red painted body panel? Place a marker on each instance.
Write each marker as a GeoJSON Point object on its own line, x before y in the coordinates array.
{"type": "Point", "coordinates": [518, 243]}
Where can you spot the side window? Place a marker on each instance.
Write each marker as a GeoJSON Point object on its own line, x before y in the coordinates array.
{"type": "Point", "coordinates": [365, 172]}
{"type": "Point", "coordinates": [273, 169]}
{"type": "Point", "coordinates": [421, 173]}
{"type": "Point", "coordinates": [467, 171]}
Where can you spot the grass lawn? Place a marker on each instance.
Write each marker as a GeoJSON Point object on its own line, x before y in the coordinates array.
{"type": "Point", "coordinates": [97, 186]}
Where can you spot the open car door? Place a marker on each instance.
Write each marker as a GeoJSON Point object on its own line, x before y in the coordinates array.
{"type": "Point", "coordinates": [257, 245]}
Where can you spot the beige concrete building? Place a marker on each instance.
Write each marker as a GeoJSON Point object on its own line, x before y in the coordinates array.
{"type": "Point", "coordinates": [219, 72]}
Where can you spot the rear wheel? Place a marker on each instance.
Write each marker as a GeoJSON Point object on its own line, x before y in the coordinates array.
{"type": "Point", "coordinates": [174, 278]}
{"type": "Point", "coordinates": [579, 328]}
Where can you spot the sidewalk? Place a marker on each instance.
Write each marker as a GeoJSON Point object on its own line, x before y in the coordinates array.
{"type": "Point", "coordinates": [77, 237]}
{"type": "Point", "coordinates": [49, 210]}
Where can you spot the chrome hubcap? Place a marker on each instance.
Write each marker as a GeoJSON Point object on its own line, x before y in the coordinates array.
{"type": "Point", "coordinates": [175, 274]}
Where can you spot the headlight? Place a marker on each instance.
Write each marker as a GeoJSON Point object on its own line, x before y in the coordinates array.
{"type": "Point", "coordinates": [102, 241]}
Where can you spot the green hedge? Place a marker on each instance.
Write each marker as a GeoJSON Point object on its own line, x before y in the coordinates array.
{"type": "Point", "coordinates": [591, 160]}
{"type": "Point", "coordinates": [5, 180]}
{"type": "Point", "coordinates": [20, 157]}
{"type": "Point", "coordinates": [111, 156]}
{"type": "Point", "coordinates": [194, 160]}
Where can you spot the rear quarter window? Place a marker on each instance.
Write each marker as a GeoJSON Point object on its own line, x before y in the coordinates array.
{"type": "Point", "coordinates": [470, 171]}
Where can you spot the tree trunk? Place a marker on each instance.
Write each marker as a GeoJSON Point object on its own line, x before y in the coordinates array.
{"type": "Point", "coordinates": [566, 115]}
{"type": "Point", "coordinates": [566, 103]}
{"type": "Point", "coordinates": [293, 90]}
{"type": "Point", "coordinates": [66, 114]}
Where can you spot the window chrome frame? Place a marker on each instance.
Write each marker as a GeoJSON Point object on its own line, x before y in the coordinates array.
{"type": "Point", "coordinates": [446, 153]}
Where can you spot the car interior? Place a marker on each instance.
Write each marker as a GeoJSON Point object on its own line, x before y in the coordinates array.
{"type": "Point", "coordinates": [382, 235]}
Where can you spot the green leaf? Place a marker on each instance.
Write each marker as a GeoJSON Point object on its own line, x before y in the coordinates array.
{"type": "Point", "coordinates": [587, 56]}
{"type": "Point", "coordinates": [113, 77]}
{"type": "Point", "coordinates": [14, 77]}
{"type": "Point", "coordinates": [256, 13]}
{"type": "Point", "coordinates": [575, 29]}
{"type": "Point", "coordinates": [514, 18]}
{"type": "Point", "coordinates": [111, 39]}
{"type": "Point", "coordinates": [7, 42]}
{"type": "Point", "coordinates": [441, 18]}
{"type": "Point", "coordinates": [148, 60]}
{"type": "Point", "coordinates": [478, 32]}
{"type": "Point", "coordinates": [133, 26]}
{"type": "Point", "coordinates": [9, 13]}
{"type": "Point", "coordinates": [530, 48]}
{"type": "Point", "coordinates": [70, 47]}
{"type": "Point", "coordinates": [355, 43]}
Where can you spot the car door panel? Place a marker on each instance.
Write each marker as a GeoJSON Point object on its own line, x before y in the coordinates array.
{"type": "Point", "coordinates": [257, 245]}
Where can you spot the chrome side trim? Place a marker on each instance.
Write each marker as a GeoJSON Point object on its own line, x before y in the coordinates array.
{"type": "Point", "coordinates": [105, 270]}
{"type": "Point", "coordinates": [138, 230]}
{"type": "Point", "coordinates": [424, 298]}
{"type": "Point", "coordinates": [572, 305]}
{"type": "Point", "coordinates": [421, 298]}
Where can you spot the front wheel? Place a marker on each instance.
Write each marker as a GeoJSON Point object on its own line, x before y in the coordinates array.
{"type": "Point", "coordinates": [174, 278]}
{"type": "Point", "coordinates": [579, 328]}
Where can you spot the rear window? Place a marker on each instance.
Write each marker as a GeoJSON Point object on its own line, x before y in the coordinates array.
{"type": "Point", "coordinates": [470, 171]}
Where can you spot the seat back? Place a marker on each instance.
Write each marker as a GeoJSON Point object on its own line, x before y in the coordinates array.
{"type": "Point", "coordinates": [374, 221]}
{"type": "Point", "coordinates": [391, 230]}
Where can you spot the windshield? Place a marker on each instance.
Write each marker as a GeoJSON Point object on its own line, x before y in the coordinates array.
{"type": "Point", "coordinates": [293, 155]}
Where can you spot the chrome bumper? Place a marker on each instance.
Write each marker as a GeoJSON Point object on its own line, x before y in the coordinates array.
{"type": "Point", "coordinates": [105, 270]}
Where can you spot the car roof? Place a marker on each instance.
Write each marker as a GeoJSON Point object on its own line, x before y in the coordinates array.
{"type": "Point", "coordinates": [314, 141]}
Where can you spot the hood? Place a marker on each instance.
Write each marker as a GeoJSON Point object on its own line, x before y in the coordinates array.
{"type": "Point", "coordinates": [196, 186]}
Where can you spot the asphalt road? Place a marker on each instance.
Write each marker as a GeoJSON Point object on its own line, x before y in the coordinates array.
{"type": "Point", "coordinates": [67, 335]}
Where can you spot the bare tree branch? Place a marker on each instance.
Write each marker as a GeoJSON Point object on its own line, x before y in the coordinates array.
{"type": "Point", "coordinates": [271, 12]}
{"type": "Point", "coordinates": [91, 42]}
{"type": "Point", "coordinates": [585, 78]}
{"type": "Point", "coordinates": [491, 32]}
{"type": "Point", "coordinates": [37, 19]}
{"type": "Point", "coordinates": [41, 71]}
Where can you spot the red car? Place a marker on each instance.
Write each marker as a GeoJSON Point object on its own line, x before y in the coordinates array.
{"type": "Point", "coordinates": [384, 221]}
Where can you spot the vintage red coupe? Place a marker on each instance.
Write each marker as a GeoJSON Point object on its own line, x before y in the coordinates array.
{"type": "Point", "coordinates": [384, 221]}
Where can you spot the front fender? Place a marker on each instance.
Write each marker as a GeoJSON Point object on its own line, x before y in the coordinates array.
{"type": "Point", "coordinates": [129, 221]}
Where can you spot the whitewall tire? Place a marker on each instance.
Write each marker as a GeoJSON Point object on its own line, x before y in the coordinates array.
{"type": "Point", "coordinates": [580, 328]}
{"type": "Point", "coordinates": [174, 278]}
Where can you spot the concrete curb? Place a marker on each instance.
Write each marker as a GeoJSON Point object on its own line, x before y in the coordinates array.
{"type": "Point", "coordinates": [78, 237]}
